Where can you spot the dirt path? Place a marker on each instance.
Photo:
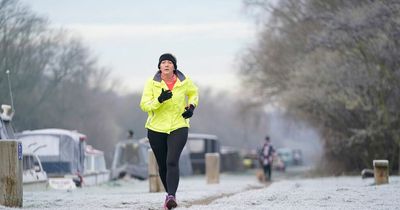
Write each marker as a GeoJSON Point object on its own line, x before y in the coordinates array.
{"type": "Point", "coordinates": [208, 200]}
{"type": "Point", "coordinates": [292, 173]}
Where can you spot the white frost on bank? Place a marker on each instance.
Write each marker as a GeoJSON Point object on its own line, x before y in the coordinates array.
{"type": "Point", "coordinates": [319, 193]}
{"type": "Point", "coordinates": [134, 194]}
{"type": "Point", "coordinates": [233, 192]}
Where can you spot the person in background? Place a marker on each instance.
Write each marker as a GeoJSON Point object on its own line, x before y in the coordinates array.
{"type": "Point", "coordinates": [169, 98]}
{"type": "Point", "coordinates": [131, 133]}
{"type": "Point", "coordinates": [266, 158]}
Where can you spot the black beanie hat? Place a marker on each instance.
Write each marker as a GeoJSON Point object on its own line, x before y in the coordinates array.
{"type": "Point", "coordinates": [167, 56]}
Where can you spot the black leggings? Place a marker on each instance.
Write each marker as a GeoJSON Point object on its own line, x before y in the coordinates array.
{"type": "Point", "coordinates": [267, 172]}
{"type": "Point", "coordinates": [167, 148]}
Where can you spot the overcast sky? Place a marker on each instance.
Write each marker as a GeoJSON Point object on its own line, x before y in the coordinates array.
{"type": "Point", "coordinates": [129, 36]}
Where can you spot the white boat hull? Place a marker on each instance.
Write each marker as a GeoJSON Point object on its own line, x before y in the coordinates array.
{"type": "Point", "coordinates": [35, 186]}
{"type": "Point", "coordinates": [91, 179]}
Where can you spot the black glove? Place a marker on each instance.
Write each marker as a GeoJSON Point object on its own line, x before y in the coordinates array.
{"type": "Point", "coordinates": [165, 95]}
{"type": "Point", "coordinates": [189, 111]}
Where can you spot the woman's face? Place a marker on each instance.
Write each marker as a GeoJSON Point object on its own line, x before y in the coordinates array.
{"type": "Point", "coordinates": [166, 67]}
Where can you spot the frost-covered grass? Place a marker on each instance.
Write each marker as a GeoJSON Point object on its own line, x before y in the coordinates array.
{"type": "Point", "coordinates": [233, 192]}
{"type": "Point", "coordinates": [134, 194]}
{"type": "Point", "coordinates": [317, 193]}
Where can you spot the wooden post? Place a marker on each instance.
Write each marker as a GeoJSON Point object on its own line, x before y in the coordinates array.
{"type": "Point", "coordinates": [212, 168]}
{"type": "Point", "coordinates": [381, 171]}
{"type": "Point", "coordinates": [155, 184]}
{"type": "Point", "coordinates": [11, 173]}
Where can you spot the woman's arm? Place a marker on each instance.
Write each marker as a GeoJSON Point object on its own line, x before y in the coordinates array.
{"type": "Point", "coordinates": [149, 102]}
{"type": "Point", "coordinates": [192, 93]}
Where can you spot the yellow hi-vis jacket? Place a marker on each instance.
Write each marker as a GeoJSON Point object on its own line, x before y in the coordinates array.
{"type": "Point", "coordinates": [167, 116]}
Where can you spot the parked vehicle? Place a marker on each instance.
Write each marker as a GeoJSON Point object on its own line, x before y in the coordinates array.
{"type": "Point", "coordinates": [62, 152]}
{"type": "Point", "coordinates": [250, 159]}
{"type": "Point", "coordinates": [297, 157]}
{"type": "Point", "coordinates": [131, 159]}
{"type": "Point", "coordinates": [185, 164]}
{"type": "Point", "coordinates": [278, 164]}
{"type": "Point", "coordinates": [199, 145]}
{"type": "Point", "coordinates": [286, 154]}
{"type": "Point", "coordinates": [231, 160]}
{"type": "Point", "coordinates": [290, 157]}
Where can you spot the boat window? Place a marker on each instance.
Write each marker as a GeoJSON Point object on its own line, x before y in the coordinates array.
{"type": "Point", "coordinates": [28, 162]}
{"type": "Point", "coordinates": [100, 163]}
{"type": "Point", "coordinates": [196, 145]}
{"type": "Point", "coordinates": [2, 130]}
{"type": "Point", "coordinates": [132, 154]}
{"type": "Point", "coordinates": [145, 154]}
{"type": "Point", "coordinates": [49, 144]}
{"type": "Point", "coordinates": [88, 163]}
{"type": "Point", "coordinates": [10, 129]}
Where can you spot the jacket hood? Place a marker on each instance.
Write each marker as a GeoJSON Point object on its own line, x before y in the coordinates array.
{"type": "Point", "coordinates": [179, 74]}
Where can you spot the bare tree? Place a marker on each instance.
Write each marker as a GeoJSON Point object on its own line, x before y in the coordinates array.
{"type": "Point", "coordinates": [334, 64]}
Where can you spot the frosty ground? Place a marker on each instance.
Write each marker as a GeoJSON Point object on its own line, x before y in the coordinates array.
{"type": "Point", "coordinates": [235, 191]}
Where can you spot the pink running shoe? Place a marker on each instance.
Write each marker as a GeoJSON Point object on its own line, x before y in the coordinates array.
{"type": "Point", "coordinates": [170, 202]}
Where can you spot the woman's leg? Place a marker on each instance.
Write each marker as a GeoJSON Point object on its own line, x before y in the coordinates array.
{"type": "Point", "coordinates": [158, 143]}
{"type": "Point", "coordinates": [268, 173]}
{"type": "Point", "coordinates": [265, 169]}
{"type": "Point", "coordinates": [176, 141]}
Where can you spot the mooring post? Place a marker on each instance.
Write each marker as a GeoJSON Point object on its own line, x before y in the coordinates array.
{"type": "Point", "coordinates": [11, 191]}
{"type": "Point", "coordinates": [212, 168]}
{"type": "Point", "coordinates": [155, 184]}
{"type": "Point", "coordinates": [381, 171]}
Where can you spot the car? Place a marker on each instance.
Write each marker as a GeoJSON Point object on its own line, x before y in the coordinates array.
{"type": "Point", "coordinates": [286, 154]}
{"type": "Point", "coordinates": [199, 144]}
{"type": "Point", "coordinates": [297, 157]}
{"type": "Point", "coordinates": [251, 159]}
{"type": "Point", "coordinates": [278, 164]}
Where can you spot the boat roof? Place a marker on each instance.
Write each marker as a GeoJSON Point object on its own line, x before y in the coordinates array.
{"type": "Point", "coordinates": [92, 151]}
{"type": "Point", "coordinates": [55, 131]}
{"type": "Point", "coordinates": [133, 141]}
{"type": "Point", "coordinates": [202, 136]}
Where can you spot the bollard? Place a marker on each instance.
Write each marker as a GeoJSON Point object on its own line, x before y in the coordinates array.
{"type": "Point", "coordinates": [11, 173]}
{"type": "Point", "coordinates": [212, 168]}
{"type": "Point", "coordinates": [155, 184]}
{"type": "Point", "coordinates": [381, 171]}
